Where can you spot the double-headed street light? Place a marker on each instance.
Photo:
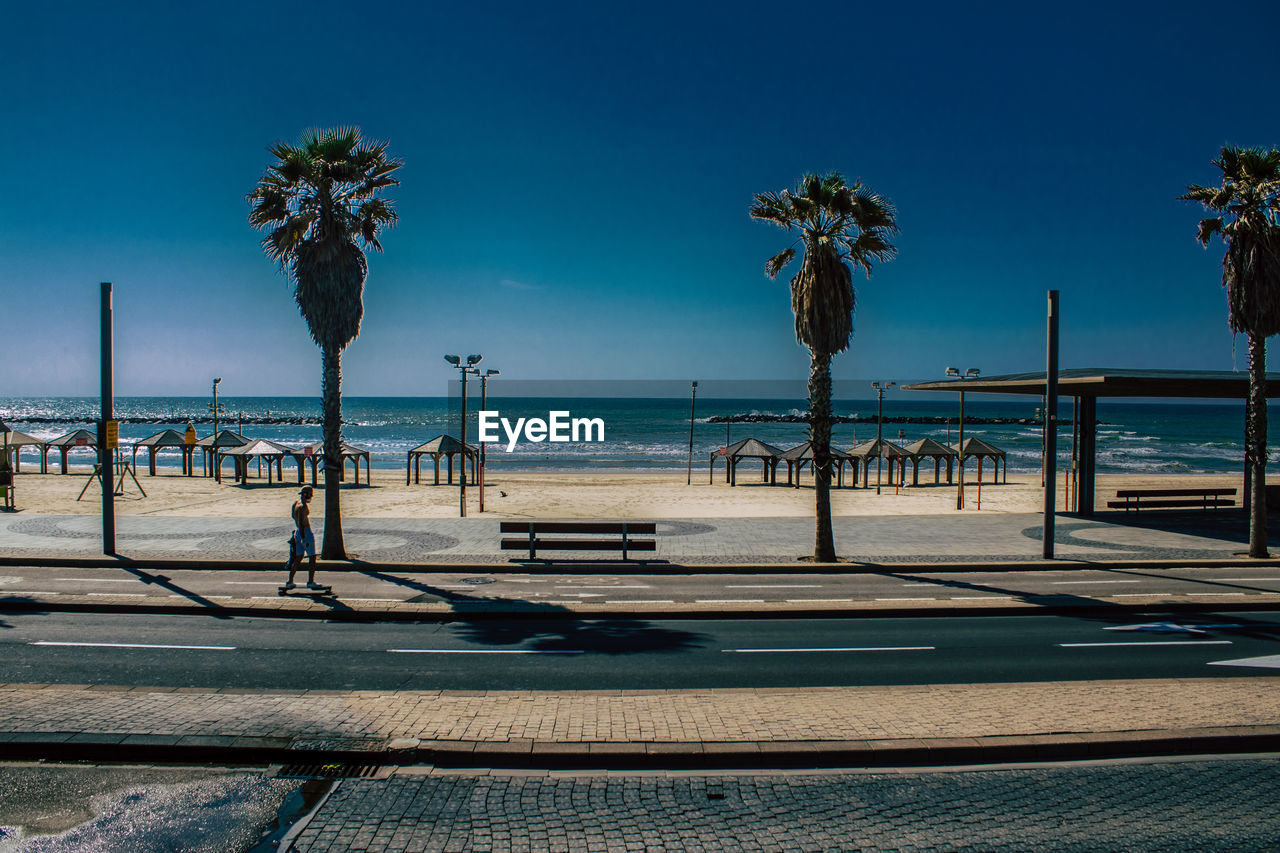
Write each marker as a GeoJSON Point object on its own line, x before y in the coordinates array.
{"type": "Point", "coordinates": [484, 380]}
{"type": "Point", "coordinates": [464, 369]}
{"type": "Point", "coordinates": [971, 373]}
{"type": "Point", "coordinates": [880, 387]}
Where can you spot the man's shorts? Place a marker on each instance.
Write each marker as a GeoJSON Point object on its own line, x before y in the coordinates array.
{"type": "Point", "coordinates": [304, 543]}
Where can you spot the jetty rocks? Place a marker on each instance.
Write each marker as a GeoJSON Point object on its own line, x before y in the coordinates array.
{"type": "Point", "coordinates": [938, 420]}
{"type": "Point", "coordinates": [294, 420]}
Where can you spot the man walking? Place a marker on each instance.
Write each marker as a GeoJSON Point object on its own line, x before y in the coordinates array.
{"type": "Point", "coordinates": [303, 542]}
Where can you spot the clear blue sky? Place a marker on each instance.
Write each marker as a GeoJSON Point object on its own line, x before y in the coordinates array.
{"type": "Point", "coordinates": [574, 200]}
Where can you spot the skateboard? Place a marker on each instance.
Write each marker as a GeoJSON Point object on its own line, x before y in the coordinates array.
{"type": "Point", "coordinates": [303, 589]}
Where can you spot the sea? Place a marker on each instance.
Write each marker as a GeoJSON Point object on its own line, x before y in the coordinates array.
{"type": "Point", "coordinates": [653, 434]}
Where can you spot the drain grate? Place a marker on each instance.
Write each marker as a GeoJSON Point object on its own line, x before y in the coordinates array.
{"type": "Point", "coordinates": [303, 744]}
{"type": "Point", "coordinates": [330, 771]}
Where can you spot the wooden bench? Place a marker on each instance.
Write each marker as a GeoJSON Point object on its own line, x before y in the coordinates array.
{"type": "Point", "coordinates": [1140, 499]}
{"type": "Point", "coordinates": [534, 537]}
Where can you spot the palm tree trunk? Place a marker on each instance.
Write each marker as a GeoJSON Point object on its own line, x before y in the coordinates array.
{"type": "Point", "coordinates": [333, 547]}
{"type": "Point", "coordinates": [824, 546]}
{"type": "Point", "coordinates": [1256, 451]}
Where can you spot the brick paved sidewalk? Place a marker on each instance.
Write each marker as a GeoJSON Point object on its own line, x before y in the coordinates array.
{"type": "Point", "coordinates": [759, 726]}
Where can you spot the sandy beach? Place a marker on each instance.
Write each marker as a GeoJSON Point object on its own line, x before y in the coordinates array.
{"type": "Point", "coordinates": [561, 495]}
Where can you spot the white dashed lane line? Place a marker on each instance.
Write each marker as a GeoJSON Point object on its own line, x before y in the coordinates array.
{"type": "Point", "coordinates": [135, 646]}
{"type": "Point", "coordinates": [1148, 643]}
{"type": "Point", "coordinates": [837, 649]}
{"type": "Point", "coordinates": [487, 651]}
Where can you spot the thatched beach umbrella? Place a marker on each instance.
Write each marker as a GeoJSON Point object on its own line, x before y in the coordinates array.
{"type": "Point", "coordinates": [66, 443]}
{"type": "Point", "coordinates": [976, 448]}
{"type": "Point", "coordinates": [16, 441]}
{"type": "Point", "coordinates": [752, 448]}
{"type": "Point", "coordinates": [212, 444]}
{"type": "Point", "coordinates": [261, 448]}
{"type": "Point", "coordinates": [168, 439]}
{"type": "Point", "coordinates": [442, 445]}
{"type": "Point", "coordinates": [929, 448]}
{"type": "Point", "coordinates": [879, 448]}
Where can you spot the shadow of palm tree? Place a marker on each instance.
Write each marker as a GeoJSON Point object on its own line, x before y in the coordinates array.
{"type": "Point", "coordinates": [547, 626]}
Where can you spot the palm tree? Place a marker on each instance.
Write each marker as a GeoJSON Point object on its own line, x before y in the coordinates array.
{"type": "Point", "coordinates": [1248, 221]}
{"type": "Point", "coordinates": [838, 225]}
{"type": "Point", "coordinates": [321, 199]}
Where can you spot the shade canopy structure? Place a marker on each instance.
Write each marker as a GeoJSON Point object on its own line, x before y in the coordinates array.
{"type": "Point", "coordinates": [1087, 384]}
{"type": "Point", "coordinates": [64, 444]}
{"type": "Point", "coordinates": [212, 444]}
{"type": "Point", "coordinates": [441, 446]}
{"type": "Point", "coordinates": [169, 439]}
{"type": "Point", "coordinates": [976, 448]}
{"type": "Point", "coordinates": [879, 448]}
{"type": "Point", "coordinates": [747, 448]}
{"type": "Point", "coordinates": [16, 441]}
{"type": "Point", "coordinates": [928, 448]}
{"type": "Point", "coordinates": [314, 454]}
{"type": "Point", "coordinates": [263, 450]}
{"type": "Point", "coordinates": [802, 454]}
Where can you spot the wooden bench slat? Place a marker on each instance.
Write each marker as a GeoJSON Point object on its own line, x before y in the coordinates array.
{"type": "Point", "coordinates": [603, 527]}
{"type": "Point", "coordinates": [1166, 503]}
{"type": "Point", "coordinates": [1172, 493]}
{"type": "Point", "coordinates": [579, 545]}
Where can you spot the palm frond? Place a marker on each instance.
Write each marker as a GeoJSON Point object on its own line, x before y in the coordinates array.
{"type": "Point", "coordinates": [774, 265]}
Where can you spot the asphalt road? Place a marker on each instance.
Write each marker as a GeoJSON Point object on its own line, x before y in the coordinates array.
{"type": "Point", "coordinates": [564, 589]}
{"type": "Point", "coordinates": [198, 651]}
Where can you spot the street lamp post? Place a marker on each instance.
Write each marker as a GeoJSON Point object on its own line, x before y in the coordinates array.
{"type": "Point", "coordinates": [880, 387]}
{"type": "Point", "coordinates": [217, 409]}
{"type": "Point", "coordinates": [464, 369]}
{"type": "Point", "coordinates": [970, 373]}
{"type": "Point", "coordinates": [484, 381]}
{"type": "Point", "coordinates": [693, 404]}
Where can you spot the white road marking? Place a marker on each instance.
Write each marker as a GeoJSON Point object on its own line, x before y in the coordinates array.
{"type": "Point", "coordinates": [373, 599]}
{"type": "Point", "coordinates": [817, 600]}
{"type": "Point", "coordinates": [136, 646]}
{"type": "Point", "coordinates": [602, 586]}
{"type": "Point", "coordinates": [1245, 579]}
{"type": "Point", "coordinates": [1149, 643]}
{"type": "Point", "coordinates": [583, 594]}
{"type": "Point", "coordinates": [176, 595]}
{"type": "Point", "coordinates": [906, 599]}
{"type": "Point", "coordinates": [1090, 583]}
{"type": "Point", "coordinates": [28, 592]}
{"type": "Point", "coordinates": [99, 580]}
{"type": "Point", "coordinates": [1267, 661]}
{"type": "Point", "coordinates": [773, 586]}
{"type": "Point", "coordinates": [251, 583]}
{"type": "Point", "coordinates": [730, 601]}
{"type": "Point", "coordinates": [1213, 593]}
{"type": "Point", "coordinates": [1139, 594]}
{"type": "Point", "coordinates": [981, 597]}
{"type": "Point", "coordinates": [121, 594]}
{"type": "Point", "coordinates": [487, 651]}
{"type": "Point", "coordinates": [840, 649]}
{"type": "Point", "coordinates": [644, 601]}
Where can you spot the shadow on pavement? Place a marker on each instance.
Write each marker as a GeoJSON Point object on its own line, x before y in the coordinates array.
{"type": "Point", "coordinates": [560, 629]}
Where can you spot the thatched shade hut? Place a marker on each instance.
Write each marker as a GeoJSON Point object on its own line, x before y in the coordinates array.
{"type": "Point", "coordinates": [19, 440]}
{"type": "Point", "coordinates": [798, 456]}
{"type": "Point", "coordinates": [212, 445]}
{"type": "Point", "coordinates": [170, 439]}
{"type": "Point", "coordinates": [442, 445]}
{"type": "Point", "coordinates": [261, 449]}
{"type": "Point", "coordinates": [880, 449]}
{"type": "Point", "coordinates": [927, 448]}
{"type": "Point", "coordinates": [750, 448]}
{"type": "Point", "coordinates": [976, 448]}
{"type": "Point", "coordinates": [64, 444]}
{"type": "Point", "coordinates": [314, 454]}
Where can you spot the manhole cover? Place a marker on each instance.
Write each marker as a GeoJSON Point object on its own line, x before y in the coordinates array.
{"type": "Point", "coordinates": [476, 580]}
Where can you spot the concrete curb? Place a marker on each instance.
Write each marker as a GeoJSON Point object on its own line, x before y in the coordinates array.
{"type": "Point", "coordinates": [909, 752]}
{"type": "Point", "coordinates": [619, 567]}
{"type": "Point", "coordinates": [476, 611]}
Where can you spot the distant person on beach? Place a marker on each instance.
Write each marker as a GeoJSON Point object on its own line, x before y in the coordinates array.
{"type": "Point", "coordinates": [303, 541]}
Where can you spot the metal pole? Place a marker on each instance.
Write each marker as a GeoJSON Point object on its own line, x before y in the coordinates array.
{"type": "Point", "coordinates": [484, 381]}
{"type": "Point", "coordinates": [693, 405]}
{"type": "Point", "coordinates": [104, 453]}
{"type": "Point", "coordinates": [960, 457]}
{"type": "Point", "coordinates": [1051, 425]}
{"type": "Point", "coordinates": [879, 425]}
{"type": "Point", "coordinates": [462, 480]}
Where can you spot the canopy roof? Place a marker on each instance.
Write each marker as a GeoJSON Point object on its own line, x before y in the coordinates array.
{"type": "Point", "coordinates": [226, 438]}
{"type": "Point", "coordinates": [168, 438]}
{"type": "Point", "coordinates": [1111, 382]}
{"type": "Point", "coordinates": [877, 447]}
{"type": "Point", "coordinates": [442, 445]}
{"type": "Point", "coordinates": [345, 449]}
{"type": "Point", "coordinates": [21, 439]}
{"type": "Point", "coordinates": [260, 447]}
{"type": "Point", "coordinates": [804, 452]}
{"type": "Point", "coordinates": [71, 439]}
{"type": "Point", "coordinates": [752, 448]}
{"type": "Point", "coordinates": [929, 447]}
{"type": "Point", "coordinates": [978, 447]}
